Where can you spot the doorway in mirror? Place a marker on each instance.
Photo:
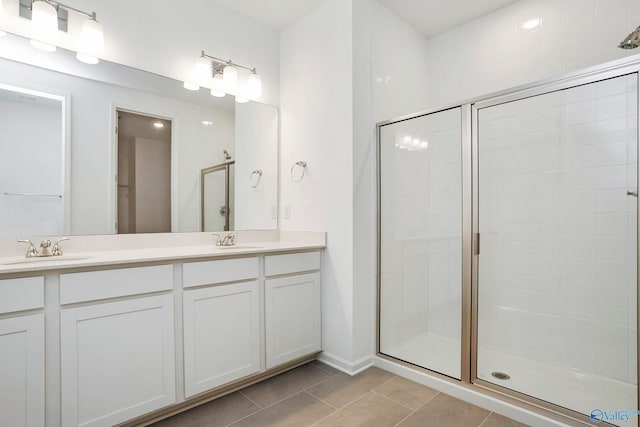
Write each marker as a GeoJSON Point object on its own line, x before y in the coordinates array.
{"type": "Point", "coordinates": [144, 173]}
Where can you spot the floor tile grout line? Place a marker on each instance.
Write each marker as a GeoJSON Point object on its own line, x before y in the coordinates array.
{"type": "Point", "coordinates": [485, 419]}
{"type": "Point", "coordinates": [240, 419]}
{"type": "Point", "coordinates": [402, 420]}
{"type": "Point", "coordinates": [320, 382]}
{"type": "Point", "coordinates": [338, 410]}
{"type": "Point", "coordinates": [335, 411]}
{"type": "Point", "coordinates": [321, 400]}
{"type": "Point", "coordinates": [251, 400]}
{"type": "Point", "coordinates": [393, 400]}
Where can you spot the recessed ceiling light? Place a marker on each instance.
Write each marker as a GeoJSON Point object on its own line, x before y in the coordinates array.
{"type": "Point", "coordinates": [207, 123]}
{"type": "Point", "coordinates": [531, 24]}
{"type": "Point", "coordinates": [158, 125]}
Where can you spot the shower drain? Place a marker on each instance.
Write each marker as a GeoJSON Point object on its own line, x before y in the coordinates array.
{"type": "Point", "coordinates": [500, 375]}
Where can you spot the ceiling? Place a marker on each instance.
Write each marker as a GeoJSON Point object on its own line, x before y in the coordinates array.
{"type": "Point", "coordinates": [429, 17]}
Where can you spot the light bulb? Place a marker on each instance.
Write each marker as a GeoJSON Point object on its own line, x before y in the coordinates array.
{"type": "Point", "coordinates": [406, 140]}
{"type": "Point", "coordinates": [254, 86]}
{"type": "Point", "coordinates": [217, 86]}
{"type": "Point", "coordinates": [424, 145]}
{"type": "Point", "coordinates": [415, 143]}
{"type": "Point", "coordinates": [44, 20]}
{"type": "Point", "coordinates": [242, 92]}
{"type": "Point", "coordinates": [91, 42]}
{"type": "Point", "coordinates": [230, 78]}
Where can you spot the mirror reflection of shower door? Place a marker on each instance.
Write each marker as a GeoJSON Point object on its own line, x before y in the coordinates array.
{"type": "Point", "coordinates": [217, 200]}
{"type": "Point", "coordinates": [421, 241]}
{"type": "Point", "coordinates": [557, 269]}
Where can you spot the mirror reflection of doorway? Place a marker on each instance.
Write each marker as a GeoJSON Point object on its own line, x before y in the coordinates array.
{"type": "Point", "coordinates": [144, 173]}
{"type": "Point", "coordinates": [217, 198]}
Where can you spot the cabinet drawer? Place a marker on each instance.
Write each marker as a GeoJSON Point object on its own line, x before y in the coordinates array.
{"type": "Point", "coordinates": [25, 293]}
{"type": "Point", "coordinates": [291, 263]}
{"type": "Point", "coordinates": [96, 285]}
{"type": "Point", "coordinates": [221, 271]}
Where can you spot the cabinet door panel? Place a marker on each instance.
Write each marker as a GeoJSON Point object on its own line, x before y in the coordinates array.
{"type": "Point", "coordinates": [292, 317]}
{"type": "Point", "coordinates": [118, 360]}
{"type": "Point", "coordinates": [221, 335]}
{"type": "Point", "coordinates": [22, 371]}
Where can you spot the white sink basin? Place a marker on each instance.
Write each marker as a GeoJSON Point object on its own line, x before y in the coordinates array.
{"type": "Point", "coordinates": [38, 260]}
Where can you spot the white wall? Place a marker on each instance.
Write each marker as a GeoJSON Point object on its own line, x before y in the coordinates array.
{"type": "Point", "coordinates": [92, 139]}
{"type": "Point", "coordinates": [317, 127]}
{"type": "Point", "coordinates": [256, 146]}
{"type": "Point", "coordinates": [400, 66]}
{"type": "Point", "coordinates": [494, 52]}
{"type": "Point", "coordinates": [165, 37]}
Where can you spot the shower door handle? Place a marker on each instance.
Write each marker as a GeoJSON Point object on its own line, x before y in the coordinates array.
{"type": "Point", "coordinates": [632, 193]}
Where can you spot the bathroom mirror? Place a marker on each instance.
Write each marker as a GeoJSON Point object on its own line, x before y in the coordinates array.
{"type": "Point", "coordinates": [87, 167]}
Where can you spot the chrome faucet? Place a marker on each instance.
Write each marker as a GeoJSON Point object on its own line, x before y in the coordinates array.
{"type": "Point", "coordinates": [228, 240]}
{"type": "Point", "coordinates": [45, 248]}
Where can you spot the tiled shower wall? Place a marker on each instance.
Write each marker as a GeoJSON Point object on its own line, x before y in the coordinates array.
{"type": "Point", "coordinates": [557, 276]}
{"type": "Point", "coordinates": [421, 232]}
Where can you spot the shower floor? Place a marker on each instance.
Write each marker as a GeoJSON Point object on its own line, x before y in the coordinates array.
{"type": "Point", "coordinates": [578, 390]}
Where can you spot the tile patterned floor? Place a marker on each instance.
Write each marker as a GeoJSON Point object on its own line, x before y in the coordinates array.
{"type": "Point", "coordinates": [318, 395]}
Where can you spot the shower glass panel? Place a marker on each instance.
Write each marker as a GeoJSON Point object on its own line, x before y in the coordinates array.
{"type": "Point", "coordinates": [421, 241]}
{"type": "Point", "coordinates": [557, 269]}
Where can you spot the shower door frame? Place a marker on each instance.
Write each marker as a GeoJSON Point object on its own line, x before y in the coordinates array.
{"type": "Point", "coordinates": [590, 76]}
{"type": "Point", "coordinates": [471, 238]}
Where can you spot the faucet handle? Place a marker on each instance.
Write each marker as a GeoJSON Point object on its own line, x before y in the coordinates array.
{"type": "Point", "coordinates": [57, 250]}
{"type": "Point", "coordinates": [218, 238]}
{"type": "Point", "coordinates": [31, 250]}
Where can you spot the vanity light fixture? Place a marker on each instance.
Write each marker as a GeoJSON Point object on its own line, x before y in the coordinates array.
{"type": "Point", "coordinates": [222, 77]}
{"type": "Point", "coordinates": [44, 16]}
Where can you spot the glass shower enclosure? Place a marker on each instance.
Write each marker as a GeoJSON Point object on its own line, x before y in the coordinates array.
{"type": "Point", "coordinates": [508, 233]}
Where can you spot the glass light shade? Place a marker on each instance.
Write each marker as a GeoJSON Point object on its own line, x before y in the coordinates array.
{"type": "Point", "coordinates": [217, 88]}
{"type": "Point", "coordinates": [44, 18]}
{"type": "Point", "coordinates": [203, 69]}
{"type": "Point", "coordinates": [91, 43]}
{"type": "Point", "coordinates": [2, 33]}
{"type": "Point", "coordinates": [190, 86]}
{"type": "Point", "coordinates": [254, 86]}
{"type": "Point", "coordinates": [230, 78]}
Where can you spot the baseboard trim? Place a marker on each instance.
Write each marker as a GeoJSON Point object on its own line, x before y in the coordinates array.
{"type": "Point", "coordinates": [349, 368]}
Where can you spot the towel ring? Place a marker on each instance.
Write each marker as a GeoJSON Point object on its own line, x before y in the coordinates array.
{"type": "Point", "coordinates": [303, 166]}
{"type": "Point", "coordinates": [254, 178]}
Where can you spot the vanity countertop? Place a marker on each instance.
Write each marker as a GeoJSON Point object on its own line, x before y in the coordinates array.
{"type": "Point", "coordinates": [72, 260]}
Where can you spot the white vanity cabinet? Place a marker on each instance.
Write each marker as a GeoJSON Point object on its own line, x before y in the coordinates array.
{"type": "Point", "coordinates": [221, 323]}
{"type": "Point", "coordinates": [117, 358]}
{"type": "Point", "coordinates": [292, 306]}
{"type": "Point", "coordinates": [22, 353]}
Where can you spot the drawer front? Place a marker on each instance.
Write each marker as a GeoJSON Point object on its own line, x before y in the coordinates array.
{"type": "Point", "coordinates": [25, 293]}
{"type": "Point", "coordinates": [97, 285]}
{"type": "Point", "coordinates": [221, 271]}
{"type": "Point", "coordinates": [291, 263]}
